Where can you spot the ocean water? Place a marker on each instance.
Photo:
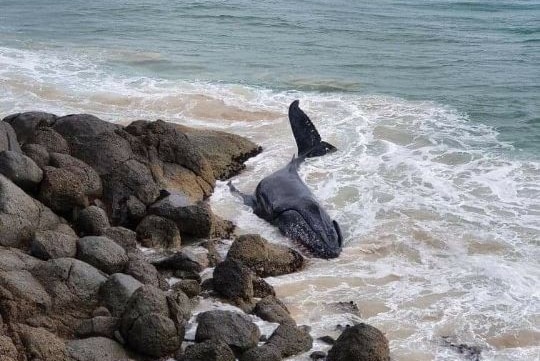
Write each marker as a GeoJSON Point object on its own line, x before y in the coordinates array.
{"type": "Point", "coordinates": [433, 105]}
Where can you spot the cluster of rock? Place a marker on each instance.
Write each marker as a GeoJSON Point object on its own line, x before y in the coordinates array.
{"type": "Point", "coordinates": [78, 195]}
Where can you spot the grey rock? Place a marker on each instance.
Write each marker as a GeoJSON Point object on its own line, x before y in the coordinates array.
{"type": "Point", "coordinates": [13, 259]}
{"type": "Point", "coordinates": [290, 340]}
{"type": "Point", "coordinates": [92, 221]}
{"type": "Point", "coordinates": [180, 305]}
{"type": "Point", "coordinates": [358, 343]}
{"type": "Point", "coordinates": [183, 261]}
{"type": "Point", "coordinates": [317, 355]}
{"type": "Point", "coordinates": [88, 177]}
{"type": "Point", "coordinates": [8, 138]}
{"type": "Point", "coordinates": [96, 349]}
{"type": "Point", "coordinates": [8, 349]}
{"type": "Point", "coordinates": [20, 169]}
{"type": "Point", "coordinates": [62, 191]}
{"type": "Point", "coordinates": [21, 215]}
{"type": "Point", "coordinates": [116, 292]}
{"type": "Point", "coordinates": [263, 353]}
{"type": "Point", "coordinates": [53, 244]}
{"type": "Point", "coordinates": [145, 272]}
{"type": "Point", "coordinates": [41, 344]}
{"type": "Point", "coordinates": [154, 335]}
{"type": "Point", "coordinates": [233, 328]}
{"type": "Point", "coordinates": [234, 281]}
{"type": "Point", "coordinates": [49, 139]}
{"type": "Point", "coordinates": [155, 231]}
{"type": "Point", "coordinates": [37, 153]}
{"type": "Point", "coordinates": [26, 123]}
{"type": "Point", "coordinates": [104, 326]}
{"type": "Point", "coordinates": [264, 258]}
{"type": "Point", "coordinates": [262, 289]}
{"type": "Point", "coordinates": [126, 238]}
{"type": "Point", "coordinates": [145, 300]}
{"type": "Point", "coordinates": [272, 309]}
{"type": "Point", "coordinates": [191, 288]}
{"type": "Point", "coordinates": [27, 297]}
{"type": "Point", "coordinates": [210, 350]}
{"type": "Point", "coordinates": [102, 253]}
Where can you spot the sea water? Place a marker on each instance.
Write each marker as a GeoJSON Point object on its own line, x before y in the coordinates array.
{"type": "Point", "coordinates": [434, 107]}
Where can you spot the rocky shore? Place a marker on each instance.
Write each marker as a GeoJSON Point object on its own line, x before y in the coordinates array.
{"type": "Point", "coordinates": [105, 234]}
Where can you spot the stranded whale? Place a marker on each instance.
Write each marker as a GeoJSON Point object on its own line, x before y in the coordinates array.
{"type": "Point", "coordinates": [283, 199]}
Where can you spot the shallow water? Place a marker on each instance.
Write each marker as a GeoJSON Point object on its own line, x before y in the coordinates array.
{"type": "Point", "coordinates": [433, 107]}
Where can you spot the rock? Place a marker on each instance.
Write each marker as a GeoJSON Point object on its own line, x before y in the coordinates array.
{"type": "Point", "coordinates": [22, 296]}
{"type": "Point", "coordinates": [329, 340]}
{"type": "Point", "coordinates": [92, 221]}
{"type": "Point", "coordinates": [234, 281]}
{"type": "Point", "coordinates": [40, 344]}
{"type": "Point", "coordinates": [49, 139]}
{"type": "Point", "coordinates": [96, 349]}
{"type": "Point", "coordinates": [210, 350]}
{"type": "Point", "coordinates": [21, 215]}
{"type": "Point", "coordinates": [116, 292]}
{"type": "Point", "coordinates": [88, 177]}
{"type": "Point", "coordinates": [70, 282]}
{"type": "Point", "coordinates": [263, 353]}
{"type": "Point", "coordinates": [225, 152]}
{"type": "Point", "coordinates": [101, 311]}
{"type": "Point", "coordinates": [136, 210]}
{"type": "Point", "coordinates": [290, 340]}
{"type": "Point", "coordinates": [181, 307]}
{"type": "Point", "coordinates": [125, 238]}
{"type": "Point", "coordinates": [261, 288]}
{"type": "Point", "coordinates": [37, 153]}
{"type": "Point", "coordinates": [264, 258]}
{"type": "Point", "coordinates": [103, 326]}
{"type": "Point", "coordinates": [213, 256]}
{"type": "Point", "coordinates": [8, 351]}
{"type": "Point", "coordinates": [272, 309]}
{"type": "Point", "coordinates": [62, 191]}
{"type": "Point", "coordinates": [472, 353]}
{"type": "Point", "coordinates": [145, 272]}
{"type": "Point", "coordinates": [233, 328]}
{"type": "Point", "coordinates": [146, 325]}
{"type": "Point", "coordinates": [191, 288]}
{"type": "Point", "coordinates": [317, 355]}
{"type": "Point", "coordinates": [195, 219]}
{"type": "Point", "coordinates": [8, 138]}
{"type": "Point", "coordinates": [26, 123]}
{"type": "Point", "coordinates": [102, 253]}
{"type": "Point", "coordinates": [360, 342]}
{"type": "Point", "coordinates": [13, 259]}
{"type": "Point", "coordinates": [155, 231]}
{"type": "Point", "coordinates": [180, 260]}
{"type": "Point", "coordinates": [53, 244]}
{"type": "Point", "coordinates": [20, 169]}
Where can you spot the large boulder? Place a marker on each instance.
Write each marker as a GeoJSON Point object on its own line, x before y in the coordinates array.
{"type": "Point", "coordinates": [62, 191]}
{"type": "Point", "coordinates": [233, 328]}
{"type": "Point", "coordinates": [225, 152]}
{"type": "Point", "coordinates": [155, 231]}
{"type": "Point", "coordinates": [264, 258]}
{"type": "Point", "coordinates": [210, 350]}
{"type": "Point", "coordinates": [195, 219]}
{"type": "Point", "coordinates": [26, 123]}
{"type": "Point", "coordinates": [8, 138]}
{"type": "Point", "coordinates": [53, 244]}
{"type": "Point", "coordinates": [49, 139]}
{"type": "Point", "coordinates": [116, 292]}
{"type": "Point", "coordinates": [96, 349]}
{"type": "Point", "coordinates": [358, 343]}
{"type": "Point", "coordinates": [271, 309]}
{"type": "Point", "coordinates": [290, 340]}
{"type": "Point", "coordinates": [20, 169]}
{"type": "Point", "coordinates": [21, 215]}
{"type": "Point", "coordinates": [88, 177]}
{"type": "Point", "coordinates": [37, 153]}
{"type": "Point", "coordinates": [146, 324]}
{"type": "Point", "coordinates": [102, 253]}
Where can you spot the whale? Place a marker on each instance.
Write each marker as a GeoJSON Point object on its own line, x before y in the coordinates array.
{"type": "Point", "coordinates": [284, 200]}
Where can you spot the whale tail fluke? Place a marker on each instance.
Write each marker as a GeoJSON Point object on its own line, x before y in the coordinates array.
{"type": "Point", "coordinates": [307, 137]}
{"type": "Point", "coordinates": [249, 200]}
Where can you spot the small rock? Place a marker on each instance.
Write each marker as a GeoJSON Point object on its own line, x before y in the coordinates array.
{"type": "Point", "coordinates": [272, 309]}
{"type": "Point", "coordinates": [125, 238]}
{"type": "Point", "coordinates": [358, 343]}
{"type": "Point", "coordinates": [263, 353]}
{"type": "Point", "coordinates": [102, 253]}
{"type": "Point", "coordinates": [233, 328]}
{"type": "Point", "coordinates": [329, 340]}
{"type": "Point", "coordinates": [180, 260]}
{"type": "Point", "coordinates": [42, 344]}
{"type": "Point", "coordinates": [290, 340]}
{"type": "Point", "coordinates": [96, 349]}
{"type": "Point", "coordinates": [234, 281]}
{"type": "Point", "coordinates": [88, 177]}
{"type": "Point", "coordinates": [155, 231]}
{"type": "Point", "coordinates": [210, 350]}
{"type": "Point", "coordinates": [62, 191]}
{"type": "Point", "coordinates": [317, 355]}
{"type": "Point", "coordinates": [98, 326]}
{"type": "Point", "coordinates": [154, 335]}
{"type": "Point", "coordinates": [92, 221]}
{"type": "Point", "coordinates": [37, 153]}
{"type": "Point", "coordinates": [8, 349]}
{"type": "Point", "coordinates": [101, 311]}
{"type": "Point", "coordinates": [261, 288]}
{"type": "Point", "coordinates": [191, 288]}
{"type": "Point", "coordinates": [116, 292]}
{"type": "Point", "coordinates": [145, 272]}
{"type": "Point", "coordinates": [21, 170]}
{"type": "Point", "coordinates": [49, 139]}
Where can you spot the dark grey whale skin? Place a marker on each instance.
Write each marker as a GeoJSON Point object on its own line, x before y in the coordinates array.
{"type": "Point", "coordinates": [283, 199]}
